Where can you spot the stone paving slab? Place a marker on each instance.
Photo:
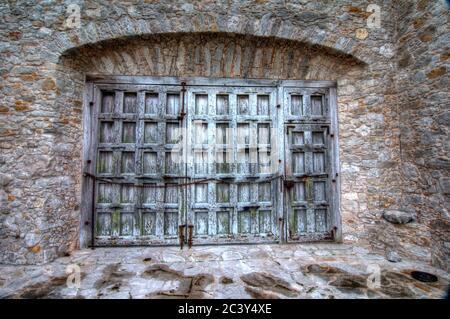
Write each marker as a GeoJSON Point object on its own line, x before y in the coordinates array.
{"type": "Point", "coordinates": [235, 271]}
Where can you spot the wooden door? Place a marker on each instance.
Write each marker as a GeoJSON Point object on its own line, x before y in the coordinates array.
{"type": "Point", "coordinates": [308, 165]}
{"type": "Point", "coordinates": [251, 161]}
{"type": "Point", "coordinates": [138, 198]}
{"type": "Point", "coordinates": [231, 146]}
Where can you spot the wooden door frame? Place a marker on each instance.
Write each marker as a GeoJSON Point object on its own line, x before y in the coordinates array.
{"type": "Point", "coordinates": [89, 127]}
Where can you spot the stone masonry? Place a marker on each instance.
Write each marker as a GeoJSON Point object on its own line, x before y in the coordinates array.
{"type": "Point", "coordinates": [392, 102]}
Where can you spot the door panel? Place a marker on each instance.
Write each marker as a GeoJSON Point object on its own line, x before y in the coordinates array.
{"type": "Point", "coordinates": [137, 129]}
{"type": "Point", "coordinates": [230, 147]}
{"type": "Point", "coordinates": [308, 165]}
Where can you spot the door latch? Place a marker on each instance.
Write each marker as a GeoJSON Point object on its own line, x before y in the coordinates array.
{"type": "Point", "coordinates": [190, 234]}
{"type": "Point", "coordinates": [288, 184]}
{"type": "Point", "coordinates": [181, 235]}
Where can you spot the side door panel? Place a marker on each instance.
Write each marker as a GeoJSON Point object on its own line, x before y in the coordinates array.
{"type": "Point", "coordinates": [307, 164]}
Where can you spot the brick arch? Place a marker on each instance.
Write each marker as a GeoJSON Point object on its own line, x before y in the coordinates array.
{"type": "Point", "coordinates": [209, 55]}
{"type": "Point", "coordinates": [265, 26]}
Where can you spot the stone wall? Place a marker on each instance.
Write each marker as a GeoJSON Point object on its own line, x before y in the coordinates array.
{"type": "Point", "coordinates": [43, 64]}
{"type": "Point", "coordinates": [423, 101]}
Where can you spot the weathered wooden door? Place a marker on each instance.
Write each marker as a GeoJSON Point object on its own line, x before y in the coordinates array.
{"type": "Point", "coordinates": [309, 170]}
{"type": "Point", "coordinates": [138, 200]}
{"type": "Point", "coordinates": [213, 161]}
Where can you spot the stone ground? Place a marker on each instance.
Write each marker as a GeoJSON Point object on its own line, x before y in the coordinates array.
{"type": "Point", "coordinates": [250, 271]}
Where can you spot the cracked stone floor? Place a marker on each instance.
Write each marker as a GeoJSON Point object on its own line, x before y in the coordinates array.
{"type": "Point", "coordinates": [239, 271]}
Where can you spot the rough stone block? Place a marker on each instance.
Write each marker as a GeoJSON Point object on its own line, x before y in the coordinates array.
{"type": "Point", "coordinates": [398, 216]}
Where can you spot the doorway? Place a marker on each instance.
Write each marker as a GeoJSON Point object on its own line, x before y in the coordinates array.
{"type": "Point", "coordinates": [172, 161]}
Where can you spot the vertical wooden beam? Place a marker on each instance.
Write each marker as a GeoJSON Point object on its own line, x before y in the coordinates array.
{"type": "Point", "coordinates": [139, 143]}
{"type": "Point", "coordinates": [336, 178]}
{"type": "Point", "coordinates": [88, 165]}
{"type": "Point", "coordinates": [281, 212]}
{"type": "Point", "coordinates": [86, 181]}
